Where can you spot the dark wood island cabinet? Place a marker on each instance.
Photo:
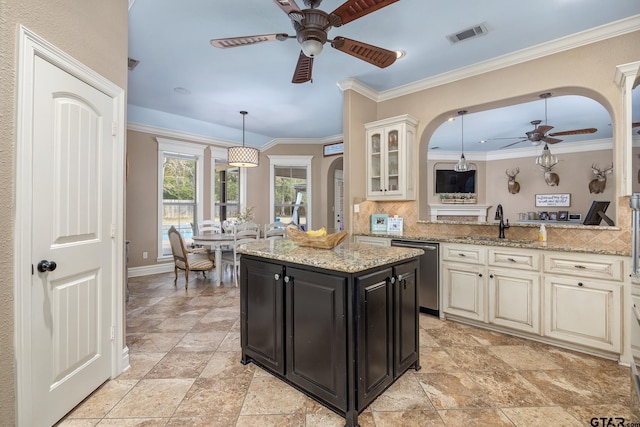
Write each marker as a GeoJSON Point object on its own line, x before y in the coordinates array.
{"type": "Point", "coordinates": [340, 325]}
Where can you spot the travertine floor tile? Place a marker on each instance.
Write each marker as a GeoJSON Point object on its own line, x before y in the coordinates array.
{"type": "Point", "coordinates": [408, 418]}
{"type": "Point", "coordinates": [184, 348]}
{"type": "Point", "coordinates": [523, 357]}
{"type": "Point", "coordinates": [475, 417]}
{"type": "Point", "coordinates": [403, 395]}
{"type": "Point", "coordinates": [539, 417]}
{"type": "Point", "coordinates": [102, 400]}
{"type": "Point", "coordinates": [152, 398]}
{"type": "Point", "coordinates": [453, 390]}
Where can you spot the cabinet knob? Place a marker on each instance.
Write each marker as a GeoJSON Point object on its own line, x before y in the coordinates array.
{"type": "Point", "coordinates": [479, 274]}
{"type": "Point", "coordinates": [399, 277]}
{"type": "Point", "coordinates": [511, 259]}
{"type": "Point", "coordinates": [580, 284]}
{"type": "Point", "coordinates": [276, 276]}
{"type": "Point", "coordinates": [392, 280]}
{"type": "Point", "coordinates": [580, 266]}
{"type": "Point", "coordinates": [462, 255]}
{"type": "Point", "coordinates": [287, 279]}
{"type": "Point", "coordinates": [491, 276]}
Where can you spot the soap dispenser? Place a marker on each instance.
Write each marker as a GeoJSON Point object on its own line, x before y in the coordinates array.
{"type": "Point", "coordinates": [542, 233]}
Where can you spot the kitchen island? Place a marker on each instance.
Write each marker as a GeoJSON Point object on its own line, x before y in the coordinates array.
{"type": "Point", "coordinates": [341, 324]}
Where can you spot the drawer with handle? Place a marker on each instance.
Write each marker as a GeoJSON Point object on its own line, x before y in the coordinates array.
{"type": "Point", "coordinates": [469, 254]}
{"type": "Point", "coordinates": [585, 265]}
{"type": "Point", "coordinates": [514, 258]}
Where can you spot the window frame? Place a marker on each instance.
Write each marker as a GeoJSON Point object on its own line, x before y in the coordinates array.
{"type": "Point", "coordinates": [221, 154]}
{"type": "Point", "coordinates": [180, 148]}
{"type": "Point", "coordinates": [290, 161]}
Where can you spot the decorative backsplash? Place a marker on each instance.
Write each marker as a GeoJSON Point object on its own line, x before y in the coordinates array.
{"type": "Point", "coordinates": [617, 238]}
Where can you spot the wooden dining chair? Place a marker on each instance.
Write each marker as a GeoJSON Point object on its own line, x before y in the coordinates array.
{"type": "Point", "coordinates": [232, 258]}
{"type": "Point", "coordinates": [188, 260]}
{"type": "Point", "coordinates": [209, 226]}
{"type": "Point", "coordinates": [274, 231]}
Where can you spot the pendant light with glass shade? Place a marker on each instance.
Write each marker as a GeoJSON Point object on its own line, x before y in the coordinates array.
{"type": "Point", "coordinates": [462, 165]}
{"type": "Point", "coordinates": [546, 159]}
{"type": "Point", "coordinates": [243, 157]}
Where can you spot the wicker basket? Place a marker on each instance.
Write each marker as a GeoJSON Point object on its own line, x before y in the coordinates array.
{"type": "Point", "coordinates": [329, 241]}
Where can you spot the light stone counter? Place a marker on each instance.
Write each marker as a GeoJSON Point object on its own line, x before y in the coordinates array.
{"type": "Point", "coordinates": [347, 257]}
{"type": "Point", "coordinates": [513, 243]}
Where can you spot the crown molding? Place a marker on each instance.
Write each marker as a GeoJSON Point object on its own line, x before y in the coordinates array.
{"type": "Point", "coordinates": [573, 41]}
{"type": "Point", "coordinates": [168, 133]}
{"type": "Point", "coordinates": [530, 151]}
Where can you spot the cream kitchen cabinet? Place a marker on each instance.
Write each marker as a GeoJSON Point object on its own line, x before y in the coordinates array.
{"type": "Point", "coordinates": [391, 161]}
{"type": "Point", "coordinates": [383, 242]}
{"type": "Point", "coordinates": [463, 283]}
{"type": "Point", "coordinates": [514, 288]}
{"type": "Point", "coordinates": [583, 299]}
{"type": "Point", "coordinates": [463, 290]}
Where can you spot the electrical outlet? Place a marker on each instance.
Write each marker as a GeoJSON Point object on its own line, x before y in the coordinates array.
{"type": "Point", "coordinates": [145, 255]}
{"type": "Point", "coordinates": [356, 208]}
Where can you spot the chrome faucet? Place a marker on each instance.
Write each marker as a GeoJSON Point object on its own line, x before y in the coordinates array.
{"type": "Point", "coordinates": [502, 226]}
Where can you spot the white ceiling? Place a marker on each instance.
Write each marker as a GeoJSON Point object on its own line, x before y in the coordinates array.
{"type": "Point", "coordinates": [172, 42]}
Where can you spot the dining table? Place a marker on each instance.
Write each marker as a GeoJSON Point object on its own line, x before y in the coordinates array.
{"type": "Point", "coordinates": [215, 242]}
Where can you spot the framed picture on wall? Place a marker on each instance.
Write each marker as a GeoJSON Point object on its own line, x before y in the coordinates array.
{"type": "Point", "coordinates": [563, 216]}
{"type": "Point", "coordinates": [553, 216]}
{"type": "Point", "coordinates": [333, 149]}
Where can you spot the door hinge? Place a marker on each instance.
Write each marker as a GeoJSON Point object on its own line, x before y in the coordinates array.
{"type": "Point", "coordinates": [114, 129]}
{"type": "Point", "coordinates": [113, 231]}
{"type": "Point", "coordinates": [113, 333]}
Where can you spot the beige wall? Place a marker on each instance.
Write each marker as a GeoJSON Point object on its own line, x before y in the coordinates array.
{"type": "Point", "coordinates": [95, 33]}
{"type": "Point", "coordinates": [142, 190]}
{"type": "Point", "coordinates": [587, 70]}
{"type": "Point", "coordinates": [574, 170]}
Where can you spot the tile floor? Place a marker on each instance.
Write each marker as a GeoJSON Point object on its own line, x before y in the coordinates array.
{"type": "Point", "coordinates": [185, 371]}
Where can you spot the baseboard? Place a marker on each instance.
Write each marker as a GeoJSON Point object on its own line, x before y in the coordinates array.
{"type": "Point", "coordinates": [150, 269]}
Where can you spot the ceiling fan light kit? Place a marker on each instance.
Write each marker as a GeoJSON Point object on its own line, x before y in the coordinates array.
{"type": "Point", "coordinates": [243, 157]}
{"type": "Point", "coordinates": [312, 26]}
{"type": "Point", "coordinates": [546, 159]}
{"type": "Point", "coordinates": [462, 165]}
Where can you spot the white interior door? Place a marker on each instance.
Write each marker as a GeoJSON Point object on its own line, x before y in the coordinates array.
{"type": "Point", "coordinates": [72, 222]}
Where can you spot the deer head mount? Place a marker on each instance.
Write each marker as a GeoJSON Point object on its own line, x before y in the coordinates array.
{"type": "Point", "coordinates": [551, 178]}
{"type": "Point", "coordinates": [513, 185]}
{"type": "Point", "coordinates": [598, 184]}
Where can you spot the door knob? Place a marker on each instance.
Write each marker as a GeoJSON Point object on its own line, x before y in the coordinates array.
{"type": "Point", "coordinates": [45, 265]}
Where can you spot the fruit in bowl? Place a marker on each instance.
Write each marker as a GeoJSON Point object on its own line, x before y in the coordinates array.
{"type": "Point", "coordinates": [316, 238]}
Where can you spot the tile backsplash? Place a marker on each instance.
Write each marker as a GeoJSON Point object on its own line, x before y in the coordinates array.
{"type": "Point", "coordinates": [616, 238]}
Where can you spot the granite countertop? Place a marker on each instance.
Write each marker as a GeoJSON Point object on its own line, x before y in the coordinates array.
{"type": "Point", "coordinates": [512, 243]}
{"type": "Point", "coordinates": [347, 257]}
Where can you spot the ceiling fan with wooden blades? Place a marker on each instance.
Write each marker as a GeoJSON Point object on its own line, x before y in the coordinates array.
{"type": "Point", "coordinates": [312, 26]}
{"type": "Point", "coordinates": [539, 134]}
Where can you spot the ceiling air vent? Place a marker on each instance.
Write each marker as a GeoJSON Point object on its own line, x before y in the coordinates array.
{"type": "Point", "coordinates": [468, 33]}
{"type": "Point", "coordinates": [133, 63]}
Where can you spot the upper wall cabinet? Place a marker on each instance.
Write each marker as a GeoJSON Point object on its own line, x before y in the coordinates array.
{"type": "Point", "coordinates": [391, 158]}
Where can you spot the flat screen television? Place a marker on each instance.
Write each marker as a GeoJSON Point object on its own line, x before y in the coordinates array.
{"type": "Point", "coordinates": [594, 217]}
{"type": "Point", "coordinates": [450, 181]}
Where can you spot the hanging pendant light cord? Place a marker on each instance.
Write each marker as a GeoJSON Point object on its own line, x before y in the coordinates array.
{"type": "Point", "coordinates": [244, 114]}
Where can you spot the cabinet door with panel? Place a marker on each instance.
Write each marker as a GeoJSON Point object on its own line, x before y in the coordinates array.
{"type": "Point", "coordinates": [315, 312]}
{"type": "Point", "coordinates": [463, 292]}
{"type": "Point", "coordinates": [406, 328]}
{"type": "Point", "coordinates": [262, 328]}
{"type": "Point", "coordinates": [390, 159]}
{"type": "Point", "coordinates": [375, 328]}
{"type": "Point", "coordinates": [514, 299]}
{"type": "Point", "coordinates": [583, 311]}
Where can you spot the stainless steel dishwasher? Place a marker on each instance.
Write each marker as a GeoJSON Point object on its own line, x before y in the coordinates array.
{"type": "Point", "coordinates": [428, 286]}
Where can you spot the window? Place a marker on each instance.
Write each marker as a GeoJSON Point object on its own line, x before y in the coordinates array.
{"type": "Point", "coordinates": [291, 189]}
{"type": "Point", "coordinates": [227, 193]}
{"type": "Point", "coordinates": [180, 181]}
